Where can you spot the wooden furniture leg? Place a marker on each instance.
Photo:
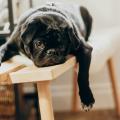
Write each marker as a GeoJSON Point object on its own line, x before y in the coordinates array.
{"type": "Point", "coordinates": [17, 102]}
{"type": "Point", "coordinates": [75, 90]}
{"type": "Point", "coordinates": [114, 86]}
{"type": "Point", "coordinates": [45, 100]}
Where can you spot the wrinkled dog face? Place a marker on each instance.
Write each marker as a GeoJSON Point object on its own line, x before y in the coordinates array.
{"type": "Point", "coordinates": [45, 40]}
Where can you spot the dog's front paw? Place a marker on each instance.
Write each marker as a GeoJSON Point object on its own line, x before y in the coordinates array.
{"type": "Point", "coordinates": [87, 108]}
{"type": "Point", "coordinates": [2, 52]}
{"type": "Point", "coordinates": [1, 56]}
{"type": "Point", "coordinates": [0, 61]}
{"type": "Point", "coordinates": [87, 99]}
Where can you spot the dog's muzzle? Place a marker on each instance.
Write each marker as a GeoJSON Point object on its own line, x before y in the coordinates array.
{"type": "Point", "coordinates": [49, 58]}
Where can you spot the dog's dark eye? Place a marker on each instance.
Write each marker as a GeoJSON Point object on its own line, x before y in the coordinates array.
{"type": "Point", "coordinates": [39, 44]}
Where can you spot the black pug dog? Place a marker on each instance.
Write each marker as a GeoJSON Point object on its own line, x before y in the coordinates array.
{"type": "Point", "coordinates": [48, 34]}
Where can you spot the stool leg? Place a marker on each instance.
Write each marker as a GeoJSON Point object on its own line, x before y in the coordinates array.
{"type": "Point", "coordinates": [18, 100]}
{"type": "Point", "coordinates": [45, 100]}
{"type": "Point", "coordinates": [114, 86]}
{"type": "Point", "coordinates": [75, 90]}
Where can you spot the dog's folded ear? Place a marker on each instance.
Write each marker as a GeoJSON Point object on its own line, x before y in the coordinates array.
{"type": "Point", "coordinates": [28, 31]}
{"type": "Point", "coordinates": [87, 18]}
{"type": "Point", "coordinates": [74, 39]}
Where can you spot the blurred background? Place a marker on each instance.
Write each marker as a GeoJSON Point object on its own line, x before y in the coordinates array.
{"type": "Point", "coordinates": [105, 15]}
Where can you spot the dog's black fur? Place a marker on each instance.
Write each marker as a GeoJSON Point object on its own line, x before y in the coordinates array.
{"type": "Point", "coordinates": [49, 33]}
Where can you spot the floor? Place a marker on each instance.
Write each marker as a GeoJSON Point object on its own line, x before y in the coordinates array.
{"type": "Point", "coordinates": [94, 115]}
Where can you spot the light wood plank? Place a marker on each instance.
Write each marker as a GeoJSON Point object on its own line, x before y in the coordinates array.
{"type": "Point", "coordinates": [6, 68]}
{"type": "Point", "coordinates": [15, 63]}
{"type": "Point", "coordinates": [34, 74]}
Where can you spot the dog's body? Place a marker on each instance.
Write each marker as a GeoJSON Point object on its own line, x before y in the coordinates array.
{"type": "Point", "coordinates": [51, 32]}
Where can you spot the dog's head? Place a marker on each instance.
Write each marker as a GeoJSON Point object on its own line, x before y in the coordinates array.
{"type": "Point", "coordinates": [45, 40]}
{"type": "Point", "coordinates": [47, 37]}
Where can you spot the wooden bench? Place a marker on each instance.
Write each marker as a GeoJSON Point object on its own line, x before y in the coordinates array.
{"type": "Point", "coordinates": [14, 72]}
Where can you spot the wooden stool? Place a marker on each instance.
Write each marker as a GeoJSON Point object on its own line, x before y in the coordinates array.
{"type": "Point", "coordinates": [43, 77]}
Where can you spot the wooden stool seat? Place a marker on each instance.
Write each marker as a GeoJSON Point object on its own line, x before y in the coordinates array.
{"type": "Point", "coordinates": [14, 72]}
{"type": "Point", "coordinates": [35, 74]}
{"type": "Point", "coordinates": [6, 68]}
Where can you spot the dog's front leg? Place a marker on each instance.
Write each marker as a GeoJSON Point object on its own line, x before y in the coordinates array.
{"type": "Point", "coordinates": [83, 55]}
{"type": "Point", "coordinates": [9, 49]}
{"type": "Point", "coordinates": [3, 50]}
